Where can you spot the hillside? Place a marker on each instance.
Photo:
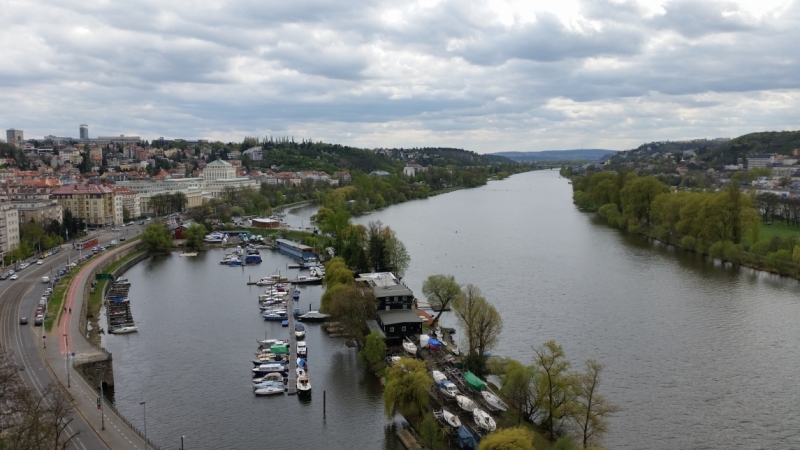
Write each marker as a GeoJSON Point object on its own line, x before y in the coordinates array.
{"type": "Point", "coordinates": [557, 155]}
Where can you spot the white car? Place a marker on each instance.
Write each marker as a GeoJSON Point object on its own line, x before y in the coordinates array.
{"type": "Point", "coordinates": [40, 262]}
{"type": "Point", "coordinates": [14, 277]}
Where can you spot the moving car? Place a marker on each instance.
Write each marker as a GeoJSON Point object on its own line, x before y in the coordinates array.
{"type": "Point", "coordinates": [14, 277]}
{"type": "Point", "coordinates": [23, 320]}
{"type": "Point", "coordinates": [40, 262]}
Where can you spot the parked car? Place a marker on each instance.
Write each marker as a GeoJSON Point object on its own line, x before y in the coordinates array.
{"type": "Point", "coordinates": [3, 276]}
{"type": "Point", "coordinates": [122, 239]}
{"type": "Point", "coordinates": [39, 320]}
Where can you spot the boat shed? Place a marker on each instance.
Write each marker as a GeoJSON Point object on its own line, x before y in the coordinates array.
{"type": "Point", "coordinates": [296, 249]}
{"type": "Point", "coordinates": [398, 324]}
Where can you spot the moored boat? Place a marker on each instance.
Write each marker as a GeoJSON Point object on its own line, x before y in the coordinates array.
{"type": "Point", "coordinates": [125, 329]}
{"type": "Point", "coordinates": [270, 388]}
{"type": "Point", "coordinates": [299, 331]}
{"type": "Point", "coordinates": [188, 254]}
{"type": "Point", "coordinates": [302, 279]}
{"type": "Point", "coordinates": [313, 316]}
{"type": "Point", "coordinates": [303, 384]}
{"type": "Point", "coordinates": [264, 369]}
{"type": "Point", "coordinates": [302, 349]}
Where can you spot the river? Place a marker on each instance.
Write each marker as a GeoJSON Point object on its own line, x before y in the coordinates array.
{"type": "Point", "coordinates": [698, 354]}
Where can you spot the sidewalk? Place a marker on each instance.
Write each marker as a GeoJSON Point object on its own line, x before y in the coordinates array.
{"type": "Point", "coordinates": [117, 435]}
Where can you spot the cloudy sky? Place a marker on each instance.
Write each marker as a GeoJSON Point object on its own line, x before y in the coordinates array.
{"type": "Point", "coordinates": [481, 75]}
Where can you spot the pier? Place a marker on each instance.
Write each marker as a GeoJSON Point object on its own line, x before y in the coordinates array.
{"type": "Point", "coordinates": [292, 375]}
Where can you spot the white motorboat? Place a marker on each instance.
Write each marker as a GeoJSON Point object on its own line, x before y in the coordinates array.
{"type": "Point", "coordinates": [409, 347]}
{"type": "Point", "coordinates": [438, 377]}
{"type": "Point", "coordinates": [483, 420]}
{"type": "Point", "coordinates": [450, 418]}
{"type": "Point", "coordinates": [302, 279]}
{"type": "Point", "coordinates": [270, 342]}
{"type": "Point", "coordinates": [274, 376]}
{"type": "Point", "coordinates": [299, 331]}
{"type": "Point", "coordinates": [448, 389]}
{"type": "Point", "coordinates": [313, 316]}
{"type": "Point", "coordinates": [465, 403]}
{"type": "Point", "coordinates": [493, 401]}
{"type": "Point", "coordinates": [271, 389]}
{"type": "Point", "coordinates": [188, 254]}
{"type": "Point", "coordinates": [264, 369]}
{"type": "Point", "coordinates": [123, 329]}
{"type": "Point", "coordinates": [303, 384]}
{"type": "Point", "coordinates": [267, 383]}
{"type": "Point", "coordinates": [302, 349]}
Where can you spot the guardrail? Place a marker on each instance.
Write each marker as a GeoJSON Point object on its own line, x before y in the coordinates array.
{"type": "Point", "coordinates": [121, 416]}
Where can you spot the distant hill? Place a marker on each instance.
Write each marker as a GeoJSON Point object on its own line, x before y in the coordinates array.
{"type": "Point", "coordinates": [589, 154]}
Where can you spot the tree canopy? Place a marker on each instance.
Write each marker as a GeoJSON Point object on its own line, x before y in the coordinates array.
{"type": "Point", "coordinates": [508, 439]}
{"type": "Point", "coordinates": [407, 385]}
{"type": "Point", "coordinates": [440, 291]}
{"type": "Point", "coordinates": [158, 237]}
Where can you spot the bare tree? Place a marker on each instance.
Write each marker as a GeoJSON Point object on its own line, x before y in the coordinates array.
{"type": "Point", "coordinates": [590, 407]}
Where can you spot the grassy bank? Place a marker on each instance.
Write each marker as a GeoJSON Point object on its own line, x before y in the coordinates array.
{"type": "Point", "coordinates": [781, 230]}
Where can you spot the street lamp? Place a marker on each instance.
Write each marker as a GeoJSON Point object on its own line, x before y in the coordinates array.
{"type": "Point", "coordinates": [144, 414]}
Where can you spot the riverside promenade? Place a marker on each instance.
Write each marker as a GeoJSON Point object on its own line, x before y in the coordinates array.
{"type": "Point", "coordinates": [116, 435]}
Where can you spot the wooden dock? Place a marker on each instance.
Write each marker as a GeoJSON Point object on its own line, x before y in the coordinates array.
{"type": "Point", "coordinates": [292, 385]}
{"type": "Point", "coordinates": [408, 440]}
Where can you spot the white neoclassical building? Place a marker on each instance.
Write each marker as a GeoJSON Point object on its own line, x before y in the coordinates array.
{"type": "Point", "coordinates": [219, 175]}
{"type": "Point", "coordinates": [218, 169]}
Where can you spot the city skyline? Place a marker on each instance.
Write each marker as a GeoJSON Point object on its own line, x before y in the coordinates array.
{"type": "Point", "coordinates": [484, 76]}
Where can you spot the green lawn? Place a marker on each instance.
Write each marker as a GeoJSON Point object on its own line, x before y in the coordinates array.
{"type": "Point", "coordinates": [778, 229]}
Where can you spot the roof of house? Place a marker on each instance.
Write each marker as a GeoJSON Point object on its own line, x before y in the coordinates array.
{"type": "Point", "coordinates": [395, 316]}
{"type": "Point", "coordinates": [218, 163]}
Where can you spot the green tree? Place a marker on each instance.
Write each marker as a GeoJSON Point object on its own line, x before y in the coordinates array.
{"type": "Point", "coordinates": [520, 387]}
{"type": "Point", "coordinates": [480, 321]}
{"type": "Point", "coordinates": [336, 272]}
{"type": "Point", "coordinates": [194, 235]}
{"type": "Point", "coordinates": [374, 350]}
{"type": "Point", "coordinates": [591, 408]}
{"type": "Point", "coordinates": [508, 439]}
{"type": "Point", "coordinates": [126, 214]}
{"type": "Point", "coordinates": [158, 237]}
{"type": "Point", "coordinates": [431, 433]}
{"type": "Point", "coordinates": [555, 386]}
{"type": "Point", "coordinates": [407, 386]}
{"type": "Point", "coordinates": [351, 307]}
{"type": "Point", "coordinates": [397, 258]}
{"type": "Point", "coordinates": [440, 291]}
{"type": "Point", "coordinates": [637, 197]}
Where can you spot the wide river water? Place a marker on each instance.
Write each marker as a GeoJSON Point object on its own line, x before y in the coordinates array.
{"type": "Point", "coordinates": [699, 355]}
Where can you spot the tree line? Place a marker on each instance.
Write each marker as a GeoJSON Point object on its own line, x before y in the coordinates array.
{"type": "Point", "coordinates": [724, 224]}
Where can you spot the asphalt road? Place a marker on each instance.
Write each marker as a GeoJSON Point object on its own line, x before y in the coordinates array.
{"type": "Point", "coordinates": [19, 298]}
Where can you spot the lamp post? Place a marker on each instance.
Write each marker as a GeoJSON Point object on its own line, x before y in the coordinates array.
{"type": "Point", "coordinates": [144, 414]}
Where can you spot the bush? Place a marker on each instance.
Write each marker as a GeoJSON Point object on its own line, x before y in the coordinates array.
{"type": "Point", "coordinates": [688, 242]}
{"type": "Point", "coordinates": [760, 248]}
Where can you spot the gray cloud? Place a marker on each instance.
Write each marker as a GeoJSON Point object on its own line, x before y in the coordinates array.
{"type": "Point", "coordinates": [381, 73]}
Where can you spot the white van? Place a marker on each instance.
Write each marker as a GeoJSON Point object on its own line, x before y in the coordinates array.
{"type": "Point", "coordinates": [45, 279]}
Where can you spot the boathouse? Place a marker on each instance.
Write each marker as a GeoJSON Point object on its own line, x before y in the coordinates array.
{"type": "Point", "coordinates": [396, 315]}
{"type": "Point", "coordinates": [295, 249]}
